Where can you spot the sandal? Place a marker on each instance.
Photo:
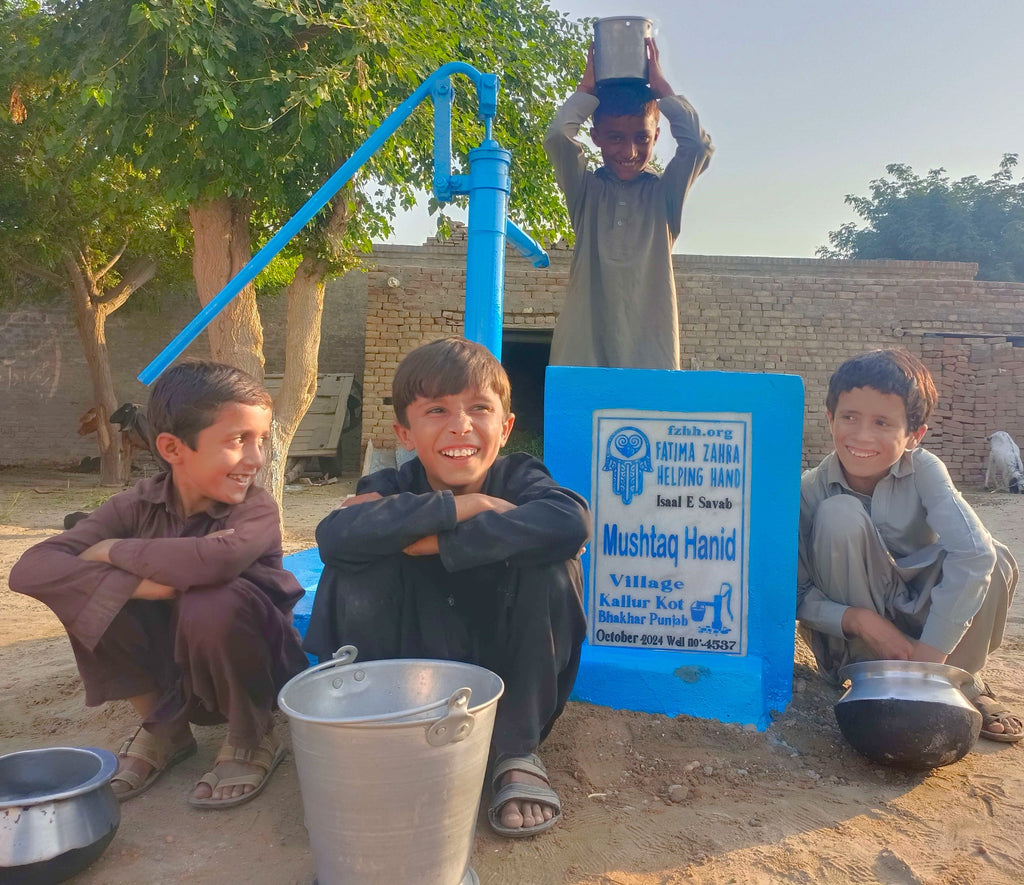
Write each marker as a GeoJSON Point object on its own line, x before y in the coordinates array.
{"type": "Point", "coordinates": [267, 755]}
{"type": "Point", "coordinates": [992, 711]}
{"type": "Point", "coordinates": [543, 795]}
{"type": "Point", "coordinates": [152, 750]}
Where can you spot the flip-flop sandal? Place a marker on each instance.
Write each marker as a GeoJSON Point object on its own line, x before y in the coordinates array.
{"type": "Point", "coordinates": [267, 755]}
{"type": "Point", "coordinates": [543, 795]}
{"type": "Point", "coordinates": [993, 711]}
{"type": "Point", "coordinates": [153, 751]}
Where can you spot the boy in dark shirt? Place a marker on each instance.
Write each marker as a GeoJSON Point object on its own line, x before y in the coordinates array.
{"type": "Point", "coordinates": [464, 555]}
{"type": "Point", "coordinates": [173, 592]}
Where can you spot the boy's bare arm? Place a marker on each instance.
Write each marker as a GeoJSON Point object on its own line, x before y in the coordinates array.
{"type": "Point", "coordinates": [885, 640]}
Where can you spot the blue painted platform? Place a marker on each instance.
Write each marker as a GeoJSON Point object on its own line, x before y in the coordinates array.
{"type": "Point", "coordinates": [755, 679]}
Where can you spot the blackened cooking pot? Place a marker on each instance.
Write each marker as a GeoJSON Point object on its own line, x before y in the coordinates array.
{"type": "Point", "coordinates": [57, 812]}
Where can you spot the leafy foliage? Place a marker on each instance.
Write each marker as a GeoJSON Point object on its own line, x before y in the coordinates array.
{"type": "Point", "coordinates": [933, 219]}
{"type": "Point", "coordinates": [261, 100]}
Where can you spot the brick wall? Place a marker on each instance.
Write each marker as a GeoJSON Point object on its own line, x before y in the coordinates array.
{"type": "Point", "coordinates": [798, 316]}
{"type": "Point", "coordinates": [44, 381]}
{"type": "Point", "coordinates": [790, 315]}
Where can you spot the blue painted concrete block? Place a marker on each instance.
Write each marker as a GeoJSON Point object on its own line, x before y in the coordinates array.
{"type": "Point", "coordinates": [306, 566]}
{"type": "Point", "coordinates": [691, 575]}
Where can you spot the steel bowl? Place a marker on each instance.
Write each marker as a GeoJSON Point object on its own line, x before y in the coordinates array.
{"type": "Point", "coordinates": [908, 714]}
{"type": "Point", "coordinates": [57, 812]}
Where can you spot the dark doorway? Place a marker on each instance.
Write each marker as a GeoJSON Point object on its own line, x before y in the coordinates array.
{"type": "Point", "coordinates": [524, 354]}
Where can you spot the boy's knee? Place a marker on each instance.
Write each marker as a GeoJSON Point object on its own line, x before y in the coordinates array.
{"type": "Point", "coordinates": [839, 519]}
{"type": "Point", "coordinates": [213, 613]}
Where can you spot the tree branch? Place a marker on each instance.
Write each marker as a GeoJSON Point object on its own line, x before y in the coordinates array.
{"type": "Point", "coordinates": [41, 273]}
{"type": "Point", "coordinates": [140, 273]}
{"type": "Point", "coordinates": [102, 273]}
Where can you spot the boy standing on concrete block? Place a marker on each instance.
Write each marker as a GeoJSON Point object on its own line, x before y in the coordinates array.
{"type": "Point", "coordinates": [464, 555]}
{"type": "Point", "coordinates": [894, 563]}
{"type": "Point", "coordinates": [620, 310]}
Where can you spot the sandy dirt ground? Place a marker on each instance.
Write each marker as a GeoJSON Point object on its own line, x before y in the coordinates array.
{"type": "Point", "coordinates": [793, 804]}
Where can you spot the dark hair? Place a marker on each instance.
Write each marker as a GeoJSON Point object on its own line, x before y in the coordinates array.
{"type": "Point", "coordinates": [444, 367]}
{"type": "Point", "coordinates": [887, 371]}
{"type": "Point", "coordinates": [187, 397]}
{"type": "Point", "coordinates": [625, 100]}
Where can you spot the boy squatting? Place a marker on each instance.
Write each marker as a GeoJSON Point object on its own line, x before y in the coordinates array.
{"type": "Point", "coordinates": [464, 555]}
{"type": "Point", "coordinates": [894, 564]}
{"type": "Point", "coordinates": [174, 595]}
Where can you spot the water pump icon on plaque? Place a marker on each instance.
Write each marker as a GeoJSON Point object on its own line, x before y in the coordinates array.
{"type": "Point", "coordinates": [671, 503]}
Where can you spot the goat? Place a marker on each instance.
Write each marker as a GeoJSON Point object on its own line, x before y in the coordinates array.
{"type": "Point", "coordinates": [1005, 471]}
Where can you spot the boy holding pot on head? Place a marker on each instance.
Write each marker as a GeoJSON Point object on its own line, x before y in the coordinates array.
{"type": "Point", "coordinates": [173, 592]}
{"type": "Point", "coordinates": [620, 310]}
{"type": "Point", "coordinates": [462, 554]}
{"type": "Point", "coordinates": [894, 563]}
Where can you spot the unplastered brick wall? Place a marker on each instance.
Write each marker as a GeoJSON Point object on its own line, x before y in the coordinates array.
{"type": "Point", "coordinates": [749, 314]}
{"type": "Point", "coordinates": [44, 379]}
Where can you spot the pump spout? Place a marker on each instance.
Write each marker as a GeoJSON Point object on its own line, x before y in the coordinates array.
{"type": "Point", "coordinates": [526, 245]}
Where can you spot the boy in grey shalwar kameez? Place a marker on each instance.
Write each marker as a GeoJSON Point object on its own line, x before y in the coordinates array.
{"type": "Point", "coordinates": [620, 310]}
{"type": "Point", "coordinates": [894, 563]}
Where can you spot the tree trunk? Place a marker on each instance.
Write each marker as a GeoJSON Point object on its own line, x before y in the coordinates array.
{"type": "Point", "coordinates": [220, 230]}
{"type": "Point", "coordinates": [298, 387]}
{"type": "Point", "coordinates": [91, 319]}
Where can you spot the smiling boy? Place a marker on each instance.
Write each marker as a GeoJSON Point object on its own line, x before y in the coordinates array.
{"type": "Point", "coordinates": [174, 595]}
{"type": "Point", "coordinates": [894, 563]}
{"type": "Point", "coordinates": [620, 309]}
{"type": "Point", "coordinates": [462, 554]}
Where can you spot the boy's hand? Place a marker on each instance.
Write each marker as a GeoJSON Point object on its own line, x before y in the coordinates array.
{"type": "Point", "coordinates": [659, 85]}
{"type": "Point", "coordinates": [928, 653]}
{"type": "Point", "coordinates": [884, 639]}
{"type": "Point", "coordinates": [468, 506]}
{"type": "Point", "coordinates": [426, 546]}
{"type": "Point", "coordinates": [352, 500]}
{"type": "Point", "coordinates": [148, 589]}
{"type": "Point", "coordinates": [99, 552]}
{"type": "Point", "coordinates": [588, 83]}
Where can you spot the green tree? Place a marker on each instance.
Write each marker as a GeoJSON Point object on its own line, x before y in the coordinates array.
{"type": "Point", "coordinates": [72, 219]}
{"type": "Point", "coordinates": [245, 107]}
{"type": "Point", "coordinates": [931, 218]}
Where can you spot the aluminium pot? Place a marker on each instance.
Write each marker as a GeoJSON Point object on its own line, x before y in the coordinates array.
{"type": "Point", "coordinates": [908, 714]}
{"type": "Point", "coordinates": [58, 812]}
{"type": "Point", "coordinates": [620, 50]}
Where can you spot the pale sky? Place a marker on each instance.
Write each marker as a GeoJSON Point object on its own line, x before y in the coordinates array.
{"type": "Point", "coordinates": [809, 100]}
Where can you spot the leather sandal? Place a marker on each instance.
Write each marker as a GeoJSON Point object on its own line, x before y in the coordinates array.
{"type": "Point", "coordinates": [267, 755]}
{"type": "Point", "coordinates": [993, 711]}
{"type": "Point", "coordinates": [542, 795]}
{"type": "Point", "coordinates": [152, 750]}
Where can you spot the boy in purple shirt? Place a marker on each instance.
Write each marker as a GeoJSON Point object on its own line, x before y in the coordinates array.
{"type": "Point", "coordinates": [173, 592]}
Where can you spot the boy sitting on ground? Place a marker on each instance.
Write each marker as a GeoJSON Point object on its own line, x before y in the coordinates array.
{"type": "Point", "coordinates": [620, 309]}
{"type": "Point", "coordinates": [894, 563]}
{"type": "Point", "coordinates": [464, 555]}
{"type": "Point", "coordinates": [173, 592]}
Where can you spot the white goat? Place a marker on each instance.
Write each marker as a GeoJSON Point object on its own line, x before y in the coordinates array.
{"type": "Point", "coordinates": [1005, 471]}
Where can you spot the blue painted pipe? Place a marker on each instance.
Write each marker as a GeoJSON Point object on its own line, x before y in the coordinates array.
{"type": "Point", "coordinates": [526, 245]}
{"type": "Point", "coordinates": [313, 205]}
{"type": "Point", "coordinates": [485, 246]}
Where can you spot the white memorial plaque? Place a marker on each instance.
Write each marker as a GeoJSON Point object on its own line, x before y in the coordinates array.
{"type": "Point", "coordinates": [671, 503]}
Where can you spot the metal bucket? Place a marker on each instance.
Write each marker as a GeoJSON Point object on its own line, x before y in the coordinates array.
{"type": "Point", "coordinates": [391, 758]}
{"type": "Point", "coordinates": [620, 53]}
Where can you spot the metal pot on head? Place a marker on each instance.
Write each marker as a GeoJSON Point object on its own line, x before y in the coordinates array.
{"type": "Point", "coordinates": [908, 714]}
{"type": "Point", "coordinates": [620, 50]}
{"type": "Point", "coordinates": [57, 812]}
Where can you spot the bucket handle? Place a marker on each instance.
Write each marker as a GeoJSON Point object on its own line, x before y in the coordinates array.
{"type": "Point", "coordinates": [457, 725]}
{"type": "Point", "coordinates": [452, 728]}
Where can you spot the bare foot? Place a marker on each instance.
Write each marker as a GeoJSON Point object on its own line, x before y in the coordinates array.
{"type": "Point", "coordinates": [518, 813]}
